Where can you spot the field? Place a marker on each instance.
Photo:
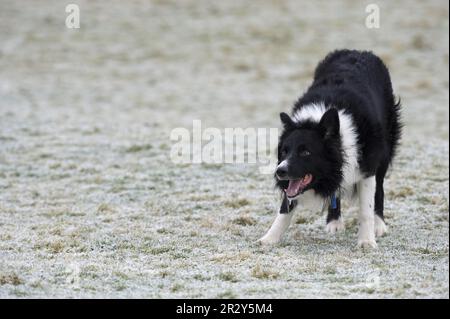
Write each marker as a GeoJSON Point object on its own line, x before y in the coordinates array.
{"type": "Point", "coordinates": [92, 206]}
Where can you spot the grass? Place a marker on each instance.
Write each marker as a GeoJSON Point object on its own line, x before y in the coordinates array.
{"type": "Point", "coordinates": [105, 208]}
{"type": "Point", "coordinates": [244, 221]}
{"type": "Point", "coordinates": [160, 250]}
{"type": "Point", "coordinates": [176, 287]}
{"type": "Point", "coordinates": [227, 294]}
{"type": "Point", "coordinates": [10, 279]}
{"type": "Point", "coordinates": [138, 148]}
{"type": "Point", "coordinates": [260, 272]}
{"type": "Point", "coordinates": [402, 192]}
{"type": "Point", "coordinates": [238, 203]}
{"type": "Point", "coordinates": [87, 182]}
{"type": "Point", "coordinates": [228, 276]}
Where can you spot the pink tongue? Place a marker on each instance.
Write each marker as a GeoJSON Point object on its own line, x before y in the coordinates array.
{"type": "Point", "coordinates": [294, 187]}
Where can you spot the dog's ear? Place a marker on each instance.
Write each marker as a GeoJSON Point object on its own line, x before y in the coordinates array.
{"type": "Point", "coordinates": [329, 123]}
{"type": "Point", "coordinates": [286, 120]}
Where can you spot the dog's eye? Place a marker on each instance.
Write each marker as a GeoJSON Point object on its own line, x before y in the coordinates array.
{"type": "Point", "coordinates": [305, 153]}
{"type": "Point", "coordinates": [284, 152]}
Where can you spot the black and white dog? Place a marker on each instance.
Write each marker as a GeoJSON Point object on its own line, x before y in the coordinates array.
{"type": "Point", "coordinates": [339, 142]}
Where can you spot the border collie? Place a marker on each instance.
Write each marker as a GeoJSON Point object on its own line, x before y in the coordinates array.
{"type": "Point", "coordinates": [339, 143]}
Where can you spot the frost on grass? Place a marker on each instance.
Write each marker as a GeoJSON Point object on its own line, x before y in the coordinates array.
{"type": "Point", "coordinates": [92, 206]}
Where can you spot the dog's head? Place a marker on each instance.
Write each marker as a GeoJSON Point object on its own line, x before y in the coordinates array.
{"type": "Point", "coordinates": [310, 155]}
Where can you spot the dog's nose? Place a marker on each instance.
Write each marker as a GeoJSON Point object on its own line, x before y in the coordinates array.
{"type": "Point", "coordinates": [282, 171]}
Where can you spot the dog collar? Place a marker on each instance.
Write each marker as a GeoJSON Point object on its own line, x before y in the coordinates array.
{"type": "Point", "coordinates": [333, 201]}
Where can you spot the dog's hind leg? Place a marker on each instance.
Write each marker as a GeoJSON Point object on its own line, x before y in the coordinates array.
{"type": "Point", "coordinates": [380, 225]}
{"type": "Point", "coordinates": [334, 218]}
{"type": "Point", "coordinates": [281, 223]}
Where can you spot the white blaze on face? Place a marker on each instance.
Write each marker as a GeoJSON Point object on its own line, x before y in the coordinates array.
{"type": "Point", "coordinates": [283, 164]}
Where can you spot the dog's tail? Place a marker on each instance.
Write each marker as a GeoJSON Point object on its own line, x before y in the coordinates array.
{"type": "Point", "coordinates": [395, 126]}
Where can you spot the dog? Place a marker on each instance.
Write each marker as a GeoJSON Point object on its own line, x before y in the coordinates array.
{"type": "Point", "coordinates": [339, 143]}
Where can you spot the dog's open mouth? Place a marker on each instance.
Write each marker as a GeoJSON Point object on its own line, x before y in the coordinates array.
{"type": "Point", "coordinates": [296, 186]}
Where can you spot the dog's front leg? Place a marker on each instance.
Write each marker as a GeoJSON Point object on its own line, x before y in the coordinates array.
{"type": "Point", "coordinates": [366, 192]}
{"type": "Point", "coordinates": [281, 223]}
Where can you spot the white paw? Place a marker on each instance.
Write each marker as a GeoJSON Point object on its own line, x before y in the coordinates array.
{"type": "Point", "coordinates": [267, 240]}
{"type": "Point", "coordinates": [366, 235]}
{"type": "Point", "coordinates": [367, 243]}
{"type": "Point", "coordinates": [336, 225]}
{"type": "Point", "coordinates": [380, 227]}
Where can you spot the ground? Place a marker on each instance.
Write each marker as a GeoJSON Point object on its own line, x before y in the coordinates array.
{"type": "Point", "coordinates": [92, 206]}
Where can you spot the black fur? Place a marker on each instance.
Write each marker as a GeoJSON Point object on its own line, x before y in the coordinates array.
{"type": "Point", "coordinates": [326, 159]}
{"type": "Point", "coordinates": [334, 213]}
{"type": "Point", "coordinates": [358, 83]}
